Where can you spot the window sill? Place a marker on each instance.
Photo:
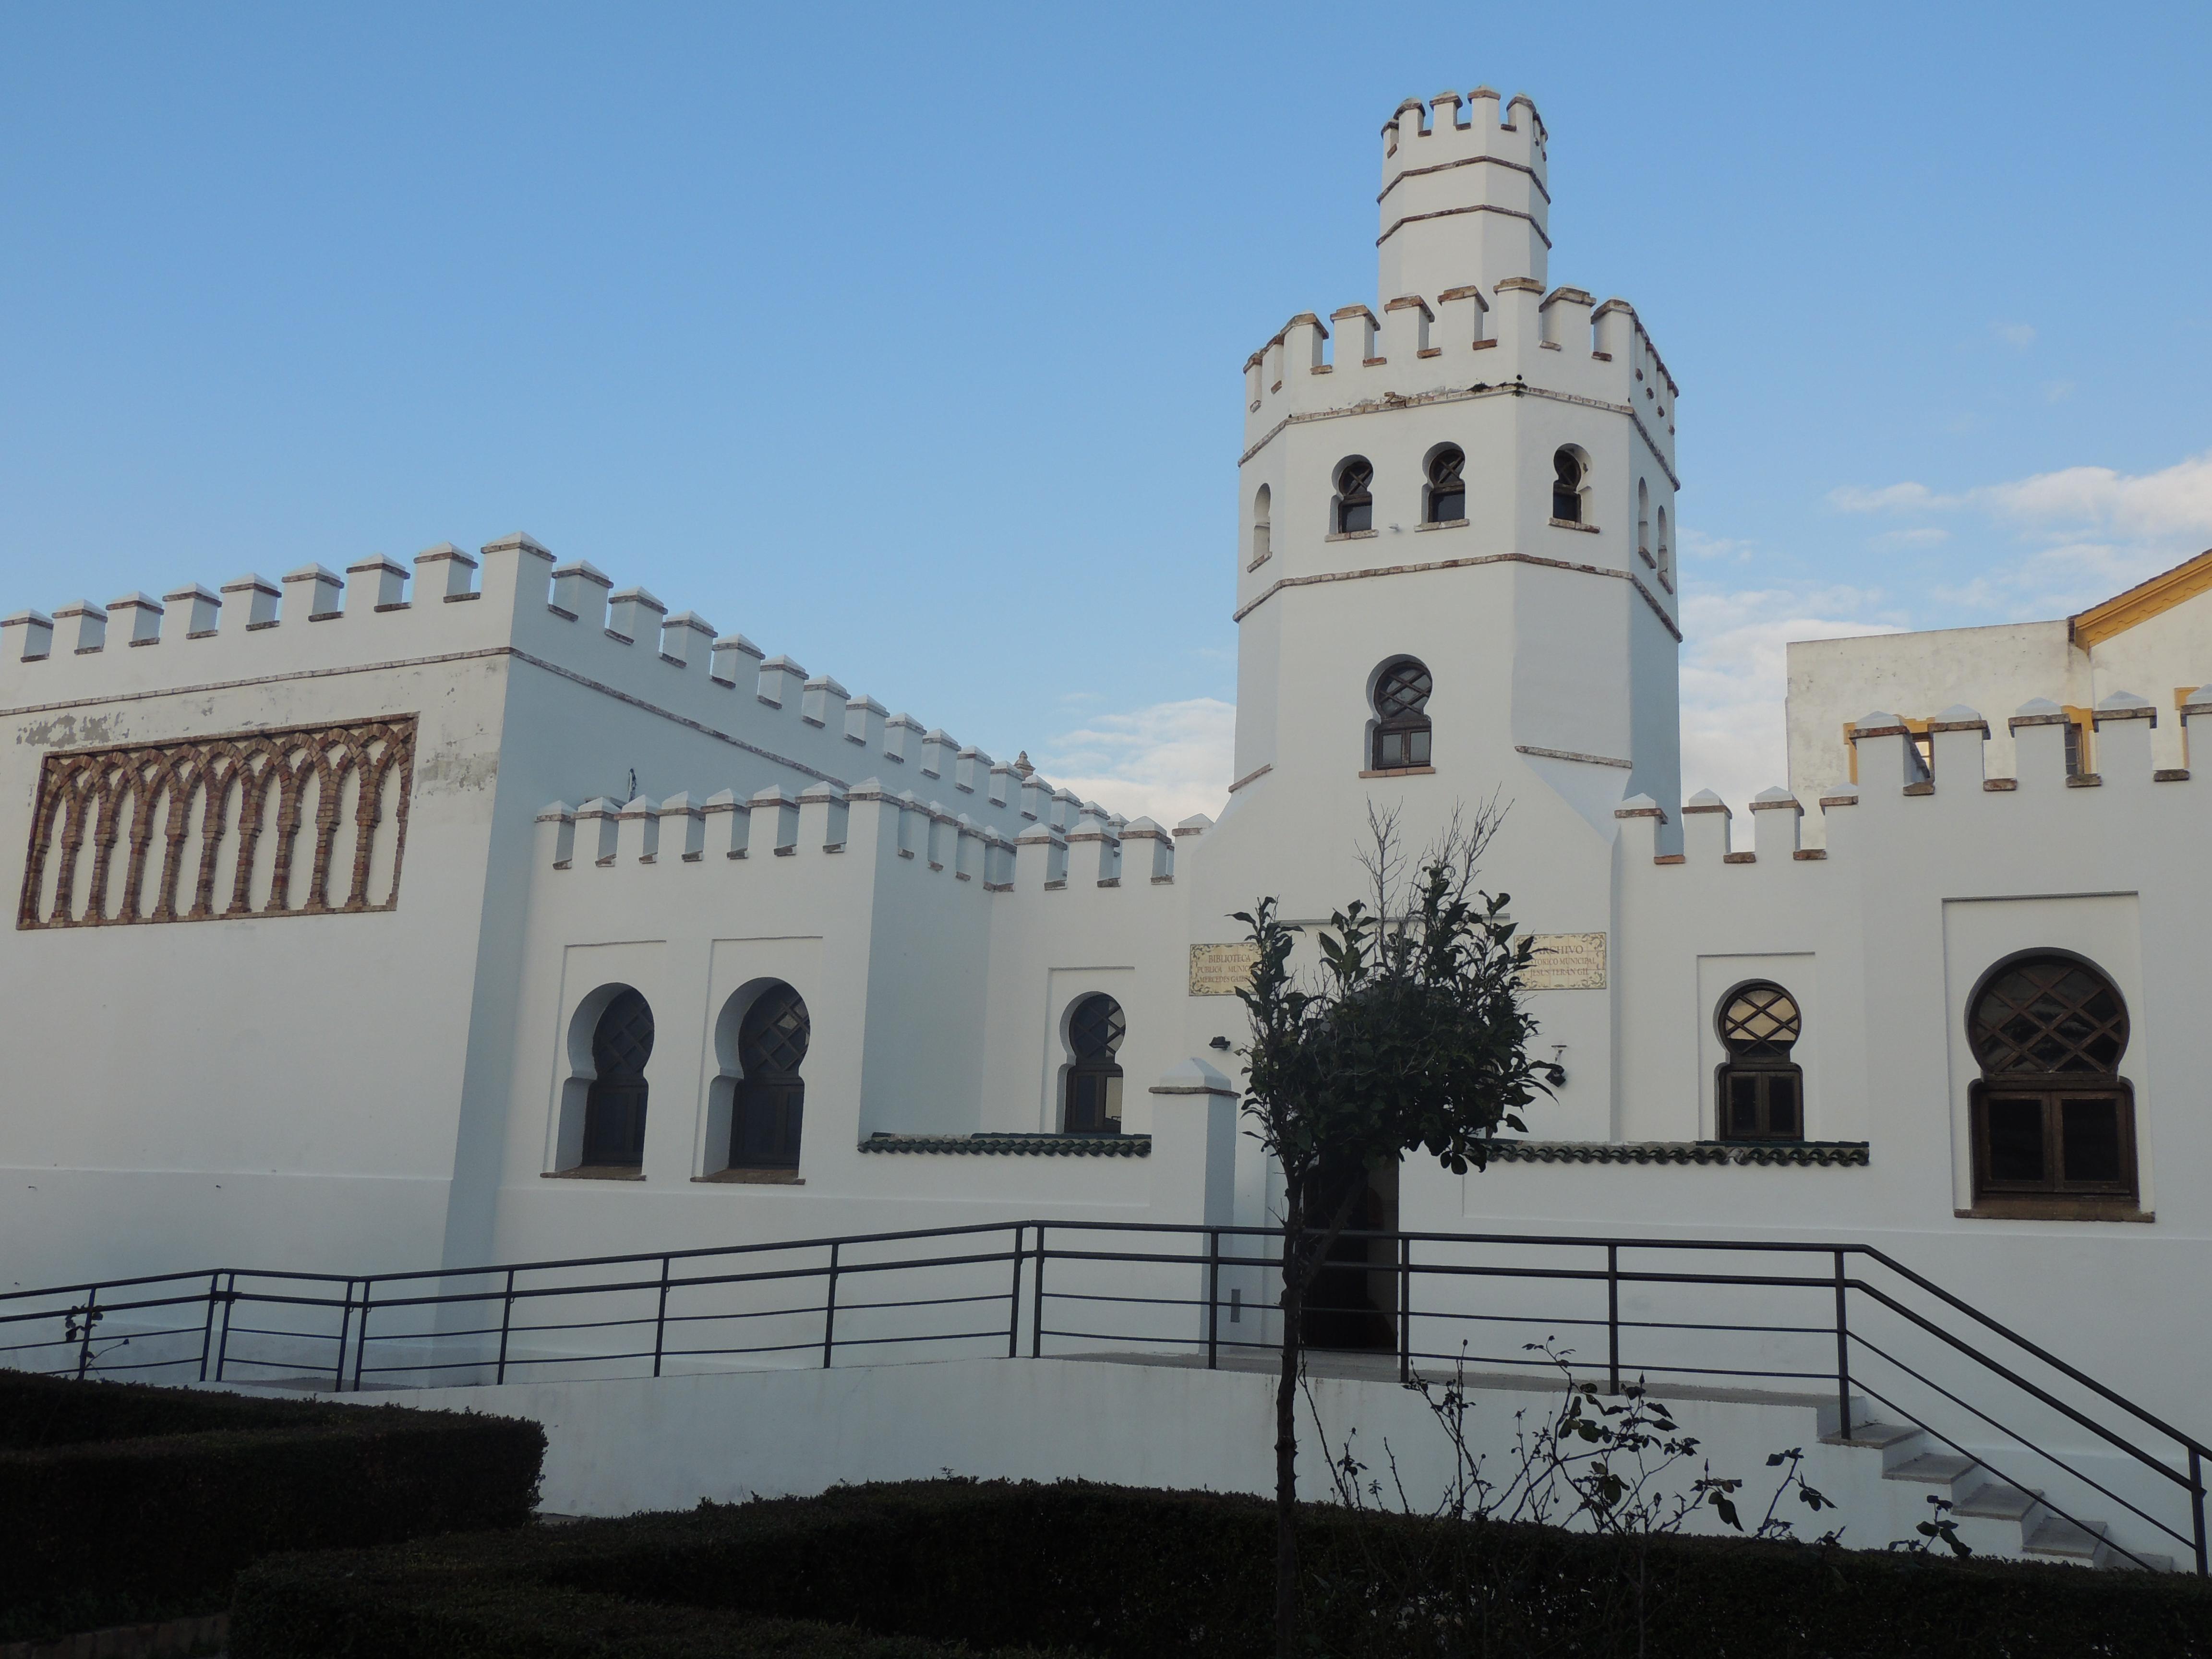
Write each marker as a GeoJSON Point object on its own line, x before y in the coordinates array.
{"type": "Point", "coordinates": [2055, 1209]}
{"type": "Point", "coordinates": [735, 1177]}
{"type": "Point", "coordinates": [1352, 536]}
{"type": "Point", "coordinates": [1442, 524]}
{"type": "Point", "coordinates": [1402, 772]}
{"type": "Point", "coordinates": [1575, 524]}
{"type": "Point", "coordinates": [595, 1172]}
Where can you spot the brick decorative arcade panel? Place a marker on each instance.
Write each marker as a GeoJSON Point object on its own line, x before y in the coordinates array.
{"type": "Point", "coordinates": [206, 829]}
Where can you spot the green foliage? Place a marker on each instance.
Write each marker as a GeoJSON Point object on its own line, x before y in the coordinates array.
{"type": "Point", "coordinates": [911, 1571]}
{"type": "Point", "coordinates": [120, 1503]}
{"type": "Point", "coordinates": [1415, 1036]}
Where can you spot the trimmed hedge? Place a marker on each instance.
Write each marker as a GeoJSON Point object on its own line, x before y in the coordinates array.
{"type": "Point", "coordinates": [121, 1502]}
{"type": "Point", "coordinates": [1129, 1574]}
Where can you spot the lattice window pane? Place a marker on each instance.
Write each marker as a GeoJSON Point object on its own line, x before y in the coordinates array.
{"type": "Point", "coordinates": [774, 1037]}
{"type": "Point", "coordinates": [622, 1041]}
{"type": "Point", "coordinates": [1096, 1029]}
{"type": "Point", "coordinates": [1760, 1020]}
{"type": "Point", "coordinates": [2049, 1014]}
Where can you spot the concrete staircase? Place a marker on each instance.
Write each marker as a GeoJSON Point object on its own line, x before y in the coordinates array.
{"type": "Point", "coordinates": [1993, 1515]}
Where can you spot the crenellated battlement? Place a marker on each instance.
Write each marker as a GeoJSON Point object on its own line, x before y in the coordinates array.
{"type": "Point", "coordinates": [888, 831]}
{"type": "Point", "coordinates": [1513, 340]}
{"type": "Point", "coordinates": [1467, 307]}
{"type": "Point", "coordinates": [512, 600]}
{"type": "Point", "coordinates": [1932, 783]}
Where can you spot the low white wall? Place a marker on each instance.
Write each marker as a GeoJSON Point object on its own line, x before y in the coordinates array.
{"type": "Point", "coordinates": [622, 1445]}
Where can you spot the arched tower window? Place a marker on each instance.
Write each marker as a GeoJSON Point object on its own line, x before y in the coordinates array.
{"type": "Point", "coordinates": [614, 1108]}
{"type": "Point", "coordinates": [1568, 473]}
{"type": "Point", "coordinates": [1447, 486]}
{"type": "Point", "coordinates": [1093, 1105]}
{"type": "Point", "coordinates": [1263, 531]}
{"type": "Point", "coordinates": [1354, 507]}
{"type": "Point", "coordinates": [1643, 519]}
{"type": "Point", "coordinates": [1760, 1093]}
{"type": "Point", "coordinates": [1666, 551]}
{"type": "Point", "coordinates": [1401, 716]}
{"type": "Point", "coordinates": [771, 1097]}
{"type": "Point", "coordinates": [2053, 1118]}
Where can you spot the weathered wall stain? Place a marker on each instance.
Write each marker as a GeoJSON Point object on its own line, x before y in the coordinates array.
{"type": "Point", "coordinates": [450, 770]}
{"type": "Point", "coordinates": [69, 732]}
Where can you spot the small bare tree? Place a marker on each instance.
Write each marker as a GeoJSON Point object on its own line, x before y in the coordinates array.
{"type": "Point", "coordinates": [1413, 1036]}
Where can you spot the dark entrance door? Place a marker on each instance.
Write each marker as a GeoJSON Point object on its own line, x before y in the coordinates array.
{"type": "Point", "coordinates": [1353, 1304]}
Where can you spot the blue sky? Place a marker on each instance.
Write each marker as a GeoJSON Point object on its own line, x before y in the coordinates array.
{"type": "Point", "coordinates": [908, 340]}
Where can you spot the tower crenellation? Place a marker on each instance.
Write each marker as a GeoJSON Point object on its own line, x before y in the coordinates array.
{"type": "Point", "coordinates": [1462, 201]}
{"type": "Point", "coordinates": [1554, 418]}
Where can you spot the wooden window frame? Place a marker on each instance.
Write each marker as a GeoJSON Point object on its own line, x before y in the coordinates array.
{"type": "Point", "coordinates": [1346, 504]}
{"type": "Point", "coordinates": [1097, 1070]}
{"type": "Point", "coordinates": [1403, 741]}
{"type": "Point", "coordinates": [1563, 493]}
{"type": "Point", "coordinates": [2055, 1187]}
{"type": "Point", "coordinates": [1449, 462]}
{"type": "Point", "coordinates": [761, 1085]}
{"type": "Point", "coordinates": [1997, 1047]}
{"type": "Point", "coordinates": [1760, 1061]}
{"type": "Point", "coordinates": [629, 1095]}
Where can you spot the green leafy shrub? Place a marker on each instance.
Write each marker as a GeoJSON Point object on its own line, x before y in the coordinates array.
{"type": "Point", "coordinates": [121, 1502]}
{"type": "Point", "coordinates": [1128, 1574]}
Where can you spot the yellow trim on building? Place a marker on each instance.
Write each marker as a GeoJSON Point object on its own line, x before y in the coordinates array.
{"type": "Point", "coordinates": [2141, 602]}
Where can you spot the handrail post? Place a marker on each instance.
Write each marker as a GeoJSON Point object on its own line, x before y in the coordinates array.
{"type": "Point", "coordinates": [1036, 1306]}
{"type": "Point", "coordinates": [1405, 1308]}
{"type": "Point", "coordinates": [1613, 1318]}
{"type": "Point", "coordinates": [207, 1326]}
{"type": "Point", "coordinates": [1842, 1358]}
{"type": "Point", "coordinates": [830, 1311]}
{"type": "Point", "coordinates": [660, 1317]}
{"type": "Point", "coordinates": [84, 1332]}
{"type": "Point", "coordinates": [345, 1329]}
{"type": "Point", "coordinates": [505, 1322]}
{"type": "Point", "coordinates": [230, 1301]}
{"type": "Point", "coordinates": [1213, 1298]}
{"type": "Point", "coordinates": [360, 1341]}
{"type": "Point", "coordinates": [1014, 1296]}
{"type": "Point", "coordinates": [2196, 1507]}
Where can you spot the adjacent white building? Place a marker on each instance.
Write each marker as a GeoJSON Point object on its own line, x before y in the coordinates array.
{"type": "Point", "coordinates": [485, 911]}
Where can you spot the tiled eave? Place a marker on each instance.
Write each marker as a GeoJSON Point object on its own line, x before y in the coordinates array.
{"type": "Point", "coordinates": [1015, 1145]}
{"type": "Point", "coordinates": [1800, 1154]}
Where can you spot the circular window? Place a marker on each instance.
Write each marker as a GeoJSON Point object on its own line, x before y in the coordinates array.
{"type": "Point", "coordinates": [1760, 1022]}
{"type": "Point", "coordinates": [2048, 1014]}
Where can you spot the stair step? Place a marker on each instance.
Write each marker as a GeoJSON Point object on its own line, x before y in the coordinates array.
{"type": "Point", "coordinates": [1936, 1468]}
{"type": "Point", "coordinates": [2055, 1536]}
{"type": "Point", "coordinates": [1881, 1435]}
{"type": "Point", "coordinates": [2140, 1561]}
{"type": "Point", "coordinates": [1996, 1500]}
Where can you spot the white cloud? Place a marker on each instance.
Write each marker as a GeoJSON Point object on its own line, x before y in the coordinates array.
{"type": "Point", "coordinates": [1695, 544]}
{"type": "Point", "coordinates": [2057, 392]}
{"type": "Point", "coordinates": [1165, 761]}
{"type": "Point", "coordinates": [2176, 501]}
{"type": "Point", "coordinates": [2081, 533]}
{"type": "Point", "coordinates": [1735, 676]}
{"type": "Point", "coordinates": [1889, 498]}
{"type": "Point", "coordinates": [2018, 335]}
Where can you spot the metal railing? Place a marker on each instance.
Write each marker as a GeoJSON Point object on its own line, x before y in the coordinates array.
{"type": "Point", "coordinates": [1841, 1323]}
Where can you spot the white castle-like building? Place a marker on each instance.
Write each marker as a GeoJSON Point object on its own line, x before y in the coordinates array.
{"type": "Point", "coordinates": [487, 911]}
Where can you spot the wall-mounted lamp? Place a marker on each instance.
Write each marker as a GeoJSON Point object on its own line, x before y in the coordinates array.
{"type": "Point", "coordinates": [1555, 1073]}
{"type": "Point", "coordinates": [1221, 1043]}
